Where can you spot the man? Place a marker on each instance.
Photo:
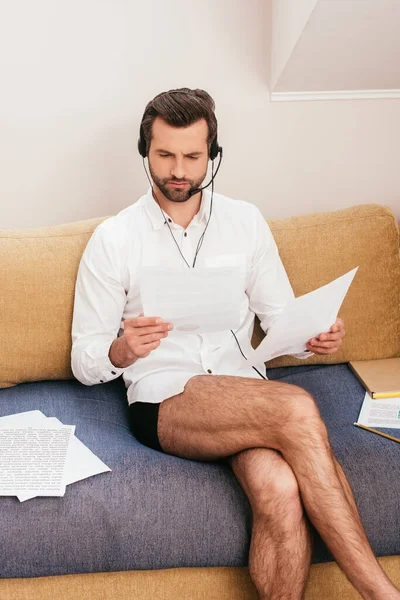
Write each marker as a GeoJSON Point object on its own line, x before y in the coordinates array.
{"type": "Point", "coordinates": [185, 397]}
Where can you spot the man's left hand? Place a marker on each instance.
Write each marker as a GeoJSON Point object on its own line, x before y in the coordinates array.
{"type": "Point", "coordinates": [328, 342]}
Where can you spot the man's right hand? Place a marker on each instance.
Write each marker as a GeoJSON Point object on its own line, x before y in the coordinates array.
{"type": "Point", "coordinates": [141, 336]}
{"type": "Point", "coordinates": [144, 334]}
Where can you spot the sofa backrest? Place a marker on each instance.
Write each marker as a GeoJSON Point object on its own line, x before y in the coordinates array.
{"type": "Point", "coordinates": [38, 269]}
{"type": "Point", "coordinates": [317, 248]}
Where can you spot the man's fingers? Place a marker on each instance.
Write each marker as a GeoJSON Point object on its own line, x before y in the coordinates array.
{"type": "Point", "coordinates": [152, 337]}
{"type": "Point", "coordinates": [336, 332]}
{"type": "Point", "coordinates": [326, 345]}
{"type": "Point", "coordinates": [338, 325]}
{"type": "Point", "coordinates": [321, 349]}
{"type": "Point", "coordinates": [331, 337]}
{"type": "Point", "coordinates": [323, 338]}
{"type": "Point", "coordinates": [142, 321]}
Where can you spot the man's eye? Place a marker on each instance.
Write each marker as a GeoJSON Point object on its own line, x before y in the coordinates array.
{"type": "Point", "coordinates": [163, 155]}
{"type": "Point", "coordinates": [193, 157]}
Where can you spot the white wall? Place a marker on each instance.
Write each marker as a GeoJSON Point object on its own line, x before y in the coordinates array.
{"type": "Point", "coordinates": [76, 75]}
{"type": "Point", "coordinates": [289, 17]}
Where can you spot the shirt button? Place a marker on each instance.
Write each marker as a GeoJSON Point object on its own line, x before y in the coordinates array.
{"type": "Point", "coordinates": [209, 371]}
{"type": "Point", "coordinates": [185, 234]}
{"type": "Point", "coordinates": [101, 381]}
{"type": "Point", "coordinates": [113, 372]}
{"type": "Point", "coordinates": [170, 220]}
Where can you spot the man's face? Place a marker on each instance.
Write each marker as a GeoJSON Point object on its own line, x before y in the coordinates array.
{"type": "Point", "coordinates": [178, 154]}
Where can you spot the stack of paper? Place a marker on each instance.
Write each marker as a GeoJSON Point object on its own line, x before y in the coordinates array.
{"type": "Point", "coordinates": [39, 456]}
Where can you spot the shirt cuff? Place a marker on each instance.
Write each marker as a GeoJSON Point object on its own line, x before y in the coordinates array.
{"type": "Point", "coordinates": [107, 371]}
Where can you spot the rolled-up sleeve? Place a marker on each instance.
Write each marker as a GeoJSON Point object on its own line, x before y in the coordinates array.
{"type": "Point", "coordinates": [98, 306]}
{"type": "Point", "coordinates": [269, 288]}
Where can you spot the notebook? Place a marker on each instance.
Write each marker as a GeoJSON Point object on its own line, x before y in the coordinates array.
{"type": "Point", "coordinates": [381, 378]}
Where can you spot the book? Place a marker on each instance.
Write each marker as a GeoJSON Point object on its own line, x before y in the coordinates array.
{"type": "Point", "coordinates": [381, 378]}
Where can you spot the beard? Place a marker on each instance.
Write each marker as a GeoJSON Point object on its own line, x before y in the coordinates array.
{"type": "Point", "coordinates": [176, 194]}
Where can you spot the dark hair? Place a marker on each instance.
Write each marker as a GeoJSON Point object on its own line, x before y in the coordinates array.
{"type": "Point", "coordinates": [180, 108]}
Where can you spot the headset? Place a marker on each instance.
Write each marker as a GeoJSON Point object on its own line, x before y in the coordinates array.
{"type": "Point", "coordinates": [214, 151]}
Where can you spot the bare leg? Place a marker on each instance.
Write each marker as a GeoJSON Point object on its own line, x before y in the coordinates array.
{"type": "Point", "coordinates": [280, 548]}
{"type": "Point", "coordinates": [330, 505]}
{"type": "Point", "coordinates": [217, 416]}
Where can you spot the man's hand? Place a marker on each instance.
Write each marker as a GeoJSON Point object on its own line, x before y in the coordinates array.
{"type": "Point", "coordinates": [144, 334]}
{"type": "Point", "coordinates": [329, 342]}
{"type": "Point", "coordinates": [141, 336]}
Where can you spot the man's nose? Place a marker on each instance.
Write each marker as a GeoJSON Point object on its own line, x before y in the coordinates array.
{"type": "Point", "coordinates": [178, 170]}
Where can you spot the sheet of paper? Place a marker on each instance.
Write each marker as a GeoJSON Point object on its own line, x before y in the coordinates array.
{"type": "Point", "coordinates": [29, 417]}
{"type": "Point", "coordinates": [200, 300]}
{"type": "Point", "coordinates": [382, 412]}
{"type": "Point", "coordinates": [32, 459]}
{"type": "Point", "coordinates": [303, 318]}
{"type": "Point", "coordinates": [80, 462]}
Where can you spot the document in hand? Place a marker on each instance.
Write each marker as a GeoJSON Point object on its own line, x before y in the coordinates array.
{"type": "Point", "coordinates": [200, 300]}
{"type": "Point", "coordinates": [40, 466]}
{"type": "Point", "coordinates": [303, 318]}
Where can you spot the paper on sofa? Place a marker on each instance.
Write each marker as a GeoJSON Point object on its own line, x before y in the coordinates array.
{"type": "Point", "coordinates": [80, 461]}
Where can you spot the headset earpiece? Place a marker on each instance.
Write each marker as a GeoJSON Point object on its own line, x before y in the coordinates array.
{"type": "Point", "coordinates": [214, 149]}
{"type": "Point", "coordinates": [142, 143]}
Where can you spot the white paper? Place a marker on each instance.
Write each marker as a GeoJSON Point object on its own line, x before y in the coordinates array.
{"type": "Point", "coordinates": [380, 412]}
{"type": "Point", "coordinates": [303, 318]}
{"type": "Point", "coordinates": [200, 300]}
{"type": "Point", "coordinates": [80, 461]}
{"type": "Point", "coordinates": [29, 417]}
{"type": "Point", "coordinates": [32, 459]}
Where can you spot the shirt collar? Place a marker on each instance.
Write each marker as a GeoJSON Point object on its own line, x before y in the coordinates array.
{"type": "Point", "coordinates": [157, 218]}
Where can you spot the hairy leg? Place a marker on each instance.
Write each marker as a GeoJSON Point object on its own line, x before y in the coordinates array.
{"type": "Point", "coordinates": [217, 416]}
{"type": "Point", "coordinates": [280, 548]}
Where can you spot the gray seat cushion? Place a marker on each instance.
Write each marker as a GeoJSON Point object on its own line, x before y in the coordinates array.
{"type": "Point", "coordinates": [156, 511]}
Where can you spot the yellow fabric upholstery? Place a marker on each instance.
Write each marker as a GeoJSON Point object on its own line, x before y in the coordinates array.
{"type": "Point", "coordinates": [318, 248]}
{"type": "Point", "coordinates": [326, 582]}
{"type": "Point", "coordinates": [39, 268]}
{"type": "Point", "coordinates": [37, 280]}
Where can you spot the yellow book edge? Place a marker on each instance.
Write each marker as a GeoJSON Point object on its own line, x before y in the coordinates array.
{"type": "Point", "coordinates": [374, 395]}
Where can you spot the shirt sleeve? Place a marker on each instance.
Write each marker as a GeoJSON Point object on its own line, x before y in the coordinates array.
{"type": "Point", "coordinates": [98, 307]}
{"type": "Point", "coordinates": [269, 288]}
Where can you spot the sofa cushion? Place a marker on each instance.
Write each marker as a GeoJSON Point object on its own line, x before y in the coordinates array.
{"type": "Point", "coordinates": [39, 268]}
{"type": "Point", "coordinates": [155, 511]}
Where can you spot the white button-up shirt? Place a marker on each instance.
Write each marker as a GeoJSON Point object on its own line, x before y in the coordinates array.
{"type": "Point", "coordinates": [107, 292]}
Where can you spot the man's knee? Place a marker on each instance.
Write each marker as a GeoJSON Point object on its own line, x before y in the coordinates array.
{"type": "Point", "coordinates": [301, 420]}
{"type": "Point", "coordinates": [268, 481]}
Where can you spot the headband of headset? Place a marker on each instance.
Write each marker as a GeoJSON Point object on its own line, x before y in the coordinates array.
{"type": "Point", "coordinates": [214, 147]}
